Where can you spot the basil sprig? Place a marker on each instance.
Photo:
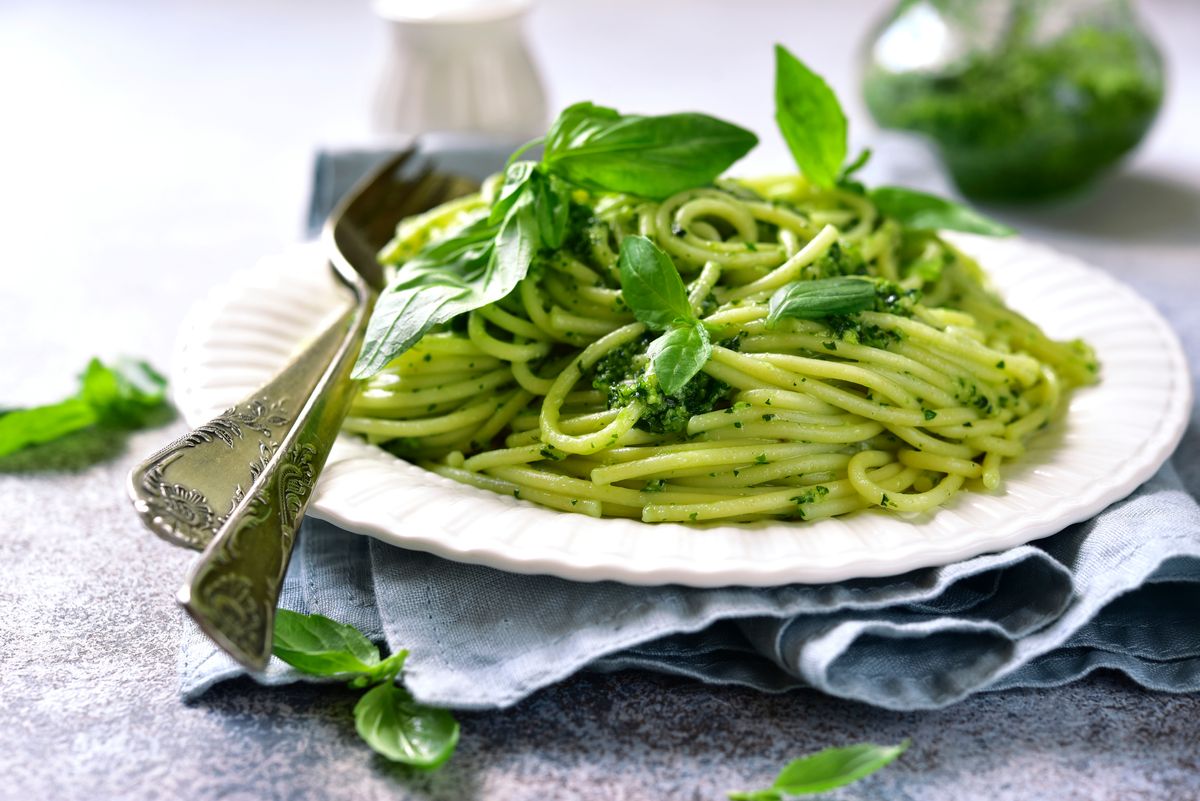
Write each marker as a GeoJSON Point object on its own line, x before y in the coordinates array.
{"type": "Point", "coordinates": [814, 127]}
{"type": "Point", "coordinates": [826, 770]}
{"type": "Point", "coordinates": [589, 146]}
{"type": "Point", "coordinates": [386, 717]}
{"type": "Point", "coordinates": [812, 300]}
{"type": "Point", "coordinates": [654, 292]}
{"type": "Point", "coordinates": [126, 394]}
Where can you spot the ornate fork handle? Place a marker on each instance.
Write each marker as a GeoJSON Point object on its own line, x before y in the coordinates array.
{"type": "Point", "coordinates": [238, 485]}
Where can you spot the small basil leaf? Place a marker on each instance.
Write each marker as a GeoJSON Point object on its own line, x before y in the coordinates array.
{"type": "Point", "coordinates": [810, 119]}
{"type": "Point", "coordinates": [826, 770]}
{"type": "Point", "coordinates": [516, 180]}
{"type": "Point", "coordinates": [812, 300]}
{"type": "Point", "coordinates": [654, 157]}
{"type": "Point", "coordinates": [394, 725]}
{"type": "Point", "coordinates": [551, 206]}
{"type": "Point", "coordinates": [316, 645]}
{"type": "Point", "coordinates": [516, 244]}
{"type": "Point", "coordinates": [679, 354]}
{"type": "Point", "coordinates": [650, 284]}
{"type": "Point", "coordinates": [921, 211]}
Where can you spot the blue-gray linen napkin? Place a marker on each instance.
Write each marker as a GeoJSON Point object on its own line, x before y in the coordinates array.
{"type": "Point", "coordinates": [1120, 591]}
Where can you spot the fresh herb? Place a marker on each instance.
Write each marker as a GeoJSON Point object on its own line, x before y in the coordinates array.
{"type": "Point", "coordinates": [814, 127]}
{"type": "Point", "coordinates": [921, 211]}
{"type": "Point", "coordinates": [812, 300]}
{"type": "Point", "coordinates": [810, 119]}
{"type": "Point", "coordinates": [655, 294]}
{"type": "Point", "coordinates": [651, 285]}
{"type": "Point", "coordinates": [599, 148]}
{"type": "Point", "coordinates": [387, 717]}
{"type": "Point", "coordinates": [126, 395]}
{"type": "Point", "coordinates": [825, 770]}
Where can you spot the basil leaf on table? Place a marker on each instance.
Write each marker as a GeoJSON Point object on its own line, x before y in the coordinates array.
{"type": "Point", "coordinates": [812, 300]}
{"type": "Point", "coordinates": [654, 157]}
{"type": "Point", "coordinates": [826, 770]}
{"type": "Point", "coordinates": [921, 211]}
{"type": "Point", "coordinates": [399, 728]}
{"type": "Point", "coordinates": [650, 284]}
{"type": "Point", "coordinates": [125, 394]}
{"type": "Point", "coordinates": [810, 119]}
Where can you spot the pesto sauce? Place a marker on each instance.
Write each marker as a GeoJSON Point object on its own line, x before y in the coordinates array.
{"type": "Point", "coordinates": [1031, 121]}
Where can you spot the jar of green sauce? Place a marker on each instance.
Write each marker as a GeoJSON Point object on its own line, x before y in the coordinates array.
{"type": "Point", "coordinates": [1023, 99]}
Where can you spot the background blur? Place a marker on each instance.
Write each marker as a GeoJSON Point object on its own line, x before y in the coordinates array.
{"type": "Point", "coordinates": [148, 150]}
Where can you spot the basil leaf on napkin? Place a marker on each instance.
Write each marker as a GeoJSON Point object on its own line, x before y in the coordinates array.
{"type": "Point", "coordinates": [921, 211]}
{"type": "Point", "coordinates": [125, 395]}
{"type": "Point", "coordinates": [810, 119]}
{"type": "Point", "coordinates": [826, 770]}
{"type": "Point", "coordinates": [812, 300]}
{"type": "Point", "coordinates": [399, 728]}
{"type": "Point", "coordinates": [655, 157]}
{"type": "Point", "coordinates": [319, 646]}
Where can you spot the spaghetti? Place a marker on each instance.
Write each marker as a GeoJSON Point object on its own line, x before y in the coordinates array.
{"type": "Point", "coordinates": [548, 395]}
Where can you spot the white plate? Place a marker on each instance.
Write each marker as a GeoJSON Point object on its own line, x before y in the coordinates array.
{"type": "Point", "coordinates": [1114, 438]}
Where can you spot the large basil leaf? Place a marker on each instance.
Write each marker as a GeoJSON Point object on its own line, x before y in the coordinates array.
{"type": "Point", "coordinates": [598, 148]}
{"type": "Point", "coordinates": [810, 119]}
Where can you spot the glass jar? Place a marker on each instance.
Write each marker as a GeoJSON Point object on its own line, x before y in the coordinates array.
{"type": "Point", "coordinates": [1023, 99]}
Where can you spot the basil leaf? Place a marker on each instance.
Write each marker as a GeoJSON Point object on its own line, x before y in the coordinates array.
{"type": "Point", "coordinates": [24, 427]}
{"type": "Point", "coordinates": [810, 119]}
{"type": "Point", "coordinates": [679, 355]}
{"type": "Point", "coordinates": [651, 285]}
{"type": "Point", "coordinates": [479, 265]}
{"type": "Point", "coordinates": [316, 645]}
{"type": "Point", "coordinates": [812, 300]}
{"type": "Point", "coordinates": [826, 770]}
{"type": "Point", "coordinates": [516, 181]}
{"type": "Point", "coordinates": [551, 207]}
{"type": "Point", "coordinates": [655, 157]}
{"type": "Point", "coordinates": [394, 725]}
{"type": "Point", "coordinates": [921, 211]}
{"type": "Point", "coordinates": [124, 395]}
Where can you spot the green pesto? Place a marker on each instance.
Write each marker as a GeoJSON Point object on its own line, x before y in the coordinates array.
{"type": "Point", "coordinates": [1031, 120]}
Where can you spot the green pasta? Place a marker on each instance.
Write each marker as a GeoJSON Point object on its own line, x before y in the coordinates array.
{"type": "Point", "coordinates": [550, 393]}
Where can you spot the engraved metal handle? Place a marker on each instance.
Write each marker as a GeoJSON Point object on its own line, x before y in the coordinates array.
{"type": "Point", "coordinates": [238, 485]}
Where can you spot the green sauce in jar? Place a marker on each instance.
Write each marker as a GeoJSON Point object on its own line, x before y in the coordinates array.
{"type": "Point", "coordinates": [1029, 121]}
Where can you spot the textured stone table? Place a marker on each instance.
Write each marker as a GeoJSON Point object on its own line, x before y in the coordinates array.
{"type": "Point", "coordinates": [185, 131]}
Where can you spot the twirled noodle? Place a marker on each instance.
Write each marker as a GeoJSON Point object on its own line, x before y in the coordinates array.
{"type": "Point", "coordinates": [897, 408]}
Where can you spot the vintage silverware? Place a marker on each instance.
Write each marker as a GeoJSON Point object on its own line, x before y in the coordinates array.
{"type": "Point", "coordinates": [238, 485]}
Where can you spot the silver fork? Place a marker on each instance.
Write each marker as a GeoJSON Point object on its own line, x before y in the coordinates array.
{"type": "Point", "coordinates": [237, 486]}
